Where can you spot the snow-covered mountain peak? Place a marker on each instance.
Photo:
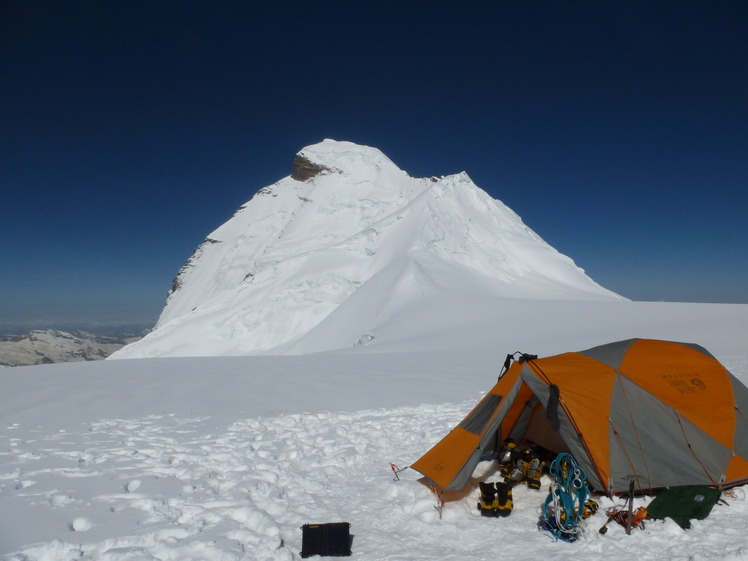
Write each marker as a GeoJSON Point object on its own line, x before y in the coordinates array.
{"type": "Point", "coordinates": [346, 158]}
{"type": "Point", "coordinates": [321, 259]}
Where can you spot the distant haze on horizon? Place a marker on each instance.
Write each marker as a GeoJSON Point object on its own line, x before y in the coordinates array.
{"type": "Point", "coordinates": [617, 131]}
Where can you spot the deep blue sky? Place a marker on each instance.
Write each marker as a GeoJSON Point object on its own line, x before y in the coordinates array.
{"type": "Point", "coordinates": [130, 130]}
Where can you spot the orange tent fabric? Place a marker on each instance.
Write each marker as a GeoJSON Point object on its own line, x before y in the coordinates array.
{"type": "Point", "coordinates": [659, 412]}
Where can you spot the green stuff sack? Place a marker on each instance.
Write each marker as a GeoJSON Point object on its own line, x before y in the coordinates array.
{"type": "Point", "coordinates": [683, 504]}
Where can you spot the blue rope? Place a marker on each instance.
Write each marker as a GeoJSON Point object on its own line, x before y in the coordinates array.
{"type": "Point", "coordinates": [568, 495]}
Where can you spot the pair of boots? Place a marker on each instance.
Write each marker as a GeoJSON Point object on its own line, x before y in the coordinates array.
{"type": "Point", "coordinates": [527, 467]}
{"type": "Point", "coordinates": [495, 499]}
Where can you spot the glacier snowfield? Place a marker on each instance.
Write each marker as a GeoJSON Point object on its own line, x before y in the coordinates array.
{"type": "Point", "coordinates": [225, 458]}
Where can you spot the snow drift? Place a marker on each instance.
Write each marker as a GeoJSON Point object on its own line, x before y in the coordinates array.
{"type": "Point", "coordinates": [321, 258]}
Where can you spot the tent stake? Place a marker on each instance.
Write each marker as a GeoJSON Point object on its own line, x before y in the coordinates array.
{"type": "Point", "coordinates": [439, 500]}
{"type": "Point", "coordinates": [396, 471]}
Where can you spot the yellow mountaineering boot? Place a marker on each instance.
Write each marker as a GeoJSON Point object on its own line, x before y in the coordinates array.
{"type": "Point", "coordinates": [534, 471]}
{"type": "Point", "coordinates": [590, 508]}
{"type": "Point", "coordinates": [518, 473]}
{"type": "Point", "coordinates": [504, 496]}
{"type": "Point", "coordinates": [488, 505]}
{"type": "Point", "coordinates": [505, 458]}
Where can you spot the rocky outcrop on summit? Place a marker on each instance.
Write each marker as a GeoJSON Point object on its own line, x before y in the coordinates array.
{"type": "Point", "coordinates": [304, 169]}
{"type": "Point", "coordinates": [321, 258]}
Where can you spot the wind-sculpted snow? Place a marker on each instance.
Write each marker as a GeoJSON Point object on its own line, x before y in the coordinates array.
{"type": "Point", "coordinates": [162, 487]}
{"type": "Point", "coordinates": [300, 251]}
{"type": "Point", "coordinates": [170, 488]}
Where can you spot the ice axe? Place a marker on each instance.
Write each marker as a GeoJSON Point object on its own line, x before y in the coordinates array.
{"type": "Point", "coordinates": [603, 530]}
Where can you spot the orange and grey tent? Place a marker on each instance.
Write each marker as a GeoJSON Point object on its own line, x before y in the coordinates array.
{"type": "Point", "coordinates": [659, 413]}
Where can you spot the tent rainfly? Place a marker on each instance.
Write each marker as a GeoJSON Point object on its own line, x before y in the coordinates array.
{"type": "Point", "coordinates": [659, 413]}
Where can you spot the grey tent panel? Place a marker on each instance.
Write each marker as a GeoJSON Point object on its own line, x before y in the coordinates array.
{"type": "Point", "coordinates": [649, 439]}
{"type": "Point", "coordinates": [479, 418]}
{"type": "Point", "coordinates": [699, 348]}
{"type": "Point", "coordinates": [520, 427]}
{"type": "Point", "coordinates": [740, 392]}
{"type": "Point", "coordinates": [610, 354]}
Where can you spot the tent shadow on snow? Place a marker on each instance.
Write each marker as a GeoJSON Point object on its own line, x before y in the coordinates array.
{"type": "Point", "coordinates": [454, 496]}
{"type": "Point", "coordinates": [659, 413]}
{"type": "Point", "coordinates": [483, 471]}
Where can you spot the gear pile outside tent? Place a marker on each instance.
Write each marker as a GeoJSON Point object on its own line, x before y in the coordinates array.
{"type": "Point", "coordinates": [638, 415]}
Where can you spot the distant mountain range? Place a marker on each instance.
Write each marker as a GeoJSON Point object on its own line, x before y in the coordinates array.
{"type": "Point", "coordinates": [50, 346]}
{"type": "Point", "coordinates": [319, 260]}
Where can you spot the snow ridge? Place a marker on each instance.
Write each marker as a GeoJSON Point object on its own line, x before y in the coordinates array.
{"type": "Point", "coordinates": [357, 240]}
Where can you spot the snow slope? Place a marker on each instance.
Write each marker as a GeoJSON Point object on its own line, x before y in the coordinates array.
{"type": "Point", "coordinates": [350, 235]}
{"type": "Point", "coordinates": [225, 458]}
